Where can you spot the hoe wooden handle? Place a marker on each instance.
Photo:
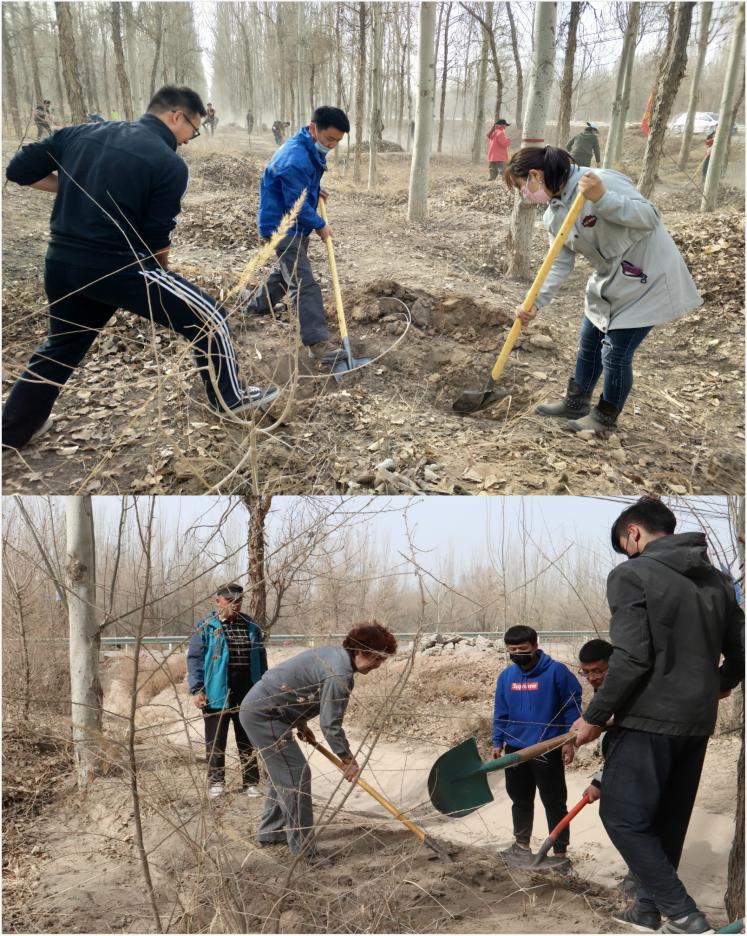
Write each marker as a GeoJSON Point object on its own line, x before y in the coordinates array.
{"type": "Point", "coordinates": [322, 208]}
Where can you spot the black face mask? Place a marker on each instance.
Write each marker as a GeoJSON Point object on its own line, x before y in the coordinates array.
{"type": "Point", "coordinates": [521, 658]}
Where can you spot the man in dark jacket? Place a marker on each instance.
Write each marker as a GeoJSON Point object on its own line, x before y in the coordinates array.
{"type": "Point", "coordinates": [118, 190]}
{"type": "Point", "coordinates": [299, 164]}
{"type": "Point", "coordinates": [536, 698]}
{"type": "Point", "coordinates": [673, 617]}
{"type": "Point", "coordinates": [226, 657]}
{"type": "Point", "coordinates": [585, 145]}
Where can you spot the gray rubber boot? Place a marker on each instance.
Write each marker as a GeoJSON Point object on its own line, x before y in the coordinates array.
{"type": "Point", "coordinates": [574, 405]}
{"type": "Point", "coordinates": [602, 419]}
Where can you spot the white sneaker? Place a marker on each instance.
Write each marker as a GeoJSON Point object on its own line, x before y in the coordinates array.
{"type": "Point", "coordinates": [215, 790]}
{"type": "Point", "coordinates": [252, 791]}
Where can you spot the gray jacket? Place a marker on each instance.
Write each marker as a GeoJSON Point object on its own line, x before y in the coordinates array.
{"type": "Point", "coordinates": [639, 278]}
{"type": "Point", "coordinates": [316, 682]}
{"type": "Point", "coordinates": [673, 617]}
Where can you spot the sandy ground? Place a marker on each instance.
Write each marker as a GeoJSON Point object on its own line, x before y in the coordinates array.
{"type": "Point", "coordinates": [134, 420]}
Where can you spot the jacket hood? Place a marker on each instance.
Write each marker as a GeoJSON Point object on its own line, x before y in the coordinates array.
{"type": "Point", "coordinates": [543, 663]}
{"type": "Point", "coordinates": [686, 553]}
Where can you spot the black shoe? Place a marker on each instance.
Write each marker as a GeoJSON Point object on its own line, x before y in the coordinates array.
{"type": "Point", "coordinates": [694, 922]}
{"type": "Point", "coordinates": [645, 921]}
{"type": "Point", "coordinates": [602, 419]}
{"type": "Point", "coordinates": [254, 398]}
{"type": "Point", "coordinates": [574, 404]}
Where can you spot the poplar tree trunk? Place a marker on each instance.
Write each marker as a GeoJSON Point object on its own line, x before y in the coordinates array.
{"type": "Point", "coordinates": [482, 77]}
{"type": "Point", "coordinates": [360, 92]}
{"type": "Point", "coordinates": [519, 72]}
{"type": "Point", "coordinates": [519, 242]}
{"type": "Point", "coordinates": [124, 81]}
{"type": "Point", "coordinates": [70, 58]}
{"type": "Point", "coordinates": [734, 71]}
{"type": "Point", "coordinates": [375, 120]}
{"type": "Point", "coordinates": [258, 507]}
{"type": "Point", "coordinates": [704, 11]}
{"type": "Point", "coordinates": [566, 84]}
{"type": "Point", "coordinates": [85, 638]}
{"type": "Point", "coordinates": [668, 82]}
{"type": "Point", "coordinates": [443, 79]}
{"type": "Point", "coordinates": [30, 29]}
{"type": "Point", "coordinates": [9, 78]}
{"type": "Point", "coordinates": [613, 149]}
{"type": "Point", "coordinates": [418, 196]}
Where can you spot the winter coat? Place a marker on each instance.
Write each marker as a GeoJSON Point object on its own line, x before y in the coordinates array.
{"type": "Point", "coordinates": [639, 278]}
{"type": "Point", "coordinates": [583, 146]}
{"type": "Point", "coordinates": [498, 145]}
{"type": "Point", "coordinates": [316, 682]}
{"type": "Point", "coordinates": [534, 705]}
{"type": "Point", "coordinates": [208, 658]}
{"type": "Point", "coordinates": [296, 166]}
{"type": "Point", "coordinates": [673, 616]}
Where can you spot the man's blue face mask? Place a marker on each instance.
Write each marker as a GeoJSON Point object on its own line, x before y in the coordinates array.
{"type": "Point", "coordinates": [321, 148]}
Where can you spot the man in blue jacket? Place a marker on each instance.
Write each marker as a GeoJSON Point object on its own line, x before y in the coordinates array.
{"type": "Point", "coordinates": [299, 164]}
{"type": "Point", "coordinates": [536, 698]}
{"type": "Point", "coordinates": [225, 659]}
{"type": "Point", "coordinates": [118, 189]}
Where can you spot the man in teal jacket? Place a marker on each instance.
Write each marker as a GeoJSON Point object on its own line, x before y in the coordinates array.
{"type": "Point", "coordinates": [225, 659]}
{"type": "Point", "coordinates": [297, 166]}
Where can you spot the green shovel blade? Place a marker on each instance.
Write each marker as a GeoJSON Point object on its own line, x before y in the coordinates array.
{"type": "Point", "coordinates": [458, 782]}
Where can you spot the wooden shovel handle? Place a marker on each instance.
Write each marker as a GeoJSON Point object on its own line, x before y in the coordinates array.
{"type": "Point", "coordinates": [322, 208]}
{"type": "Point", "coordinates": [542, 747]}
{"type": "Point", "coordinates": [539, 281]}
{"type": "Point", "coordinates": [390, 807]}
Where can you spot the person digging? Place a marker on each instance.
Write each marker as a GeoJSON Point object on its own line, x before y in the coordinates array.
{"type": "Point", "coordinates": [639, 277]}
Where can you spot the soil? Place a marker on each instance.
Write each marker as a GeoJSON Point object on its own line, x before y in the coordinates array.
{"type": "Point", "coordinates": [431, 305]}
{"type": "Point", "coordinates": [71, 864]}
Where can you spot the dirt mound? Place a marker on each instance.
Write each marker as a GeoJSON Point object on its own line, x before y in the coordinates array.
{"type": "Point", "coordinates": [220, 171]}
{"type": "Point", "coordinates": [385, 146]}
{"type": "Point", "coordinates": [713, 248]}
{"type": "Point", "coordinates": [492, 197]}
{"type": "Point", "coordinates": [225, 222]}
{"type": "Point", "coordinates": [154, 676]}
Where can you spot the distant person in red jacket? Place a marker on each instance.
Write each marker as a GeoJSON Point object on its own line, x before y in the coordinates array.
{"type": "Point", "coordinates": [498, 148]}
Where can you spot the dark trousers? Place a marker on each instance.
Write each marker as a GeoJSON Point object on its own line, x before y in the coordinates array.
{"type": "Point", "coordinates": [611, 353]}
{"type": "Point", "coordinates": [648, 790]}
{"type": "Point", "coordinates": [494, 168]}
{"type": "Point", "coordinates": [216, 732]}
{"type": "Point", "coordinates": [546, 774]}
{"type": "Point", "coordinates": [82, 301]}
{"type": "Point", "coordinates": [292, 273]}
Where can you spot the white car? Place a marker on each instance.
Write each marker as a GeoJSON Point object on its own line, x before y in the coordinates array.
{"type": "Point", "coordinates": [705, 122]}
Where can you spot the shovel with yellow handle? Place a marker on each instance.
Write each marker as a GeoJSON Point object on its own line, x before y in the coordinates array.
{"type": "Point", "coordinates": [470, 401]}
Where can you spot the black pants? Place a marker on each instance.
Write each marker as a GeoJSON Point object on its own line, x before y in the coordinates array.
{"type": "Point", "coordinates": [648, 790]}
{"type": "Point", "coordinates": [546, 774]}
{"type": "Point", "coordinates": [82, 300]}
{"type": "Point", "coordinates": [216, 732]}
{"type": "Point", "coordinates": [494, 168]}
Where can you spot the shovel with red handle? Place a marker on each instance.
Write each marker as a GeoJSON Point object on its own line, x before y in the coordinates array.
{"type": "Point", "coordinates": [552, 837]}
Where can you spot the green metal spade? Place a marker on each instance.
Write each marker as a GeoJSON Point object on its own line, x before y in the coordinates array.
{"type": "Point", "coordinates": [458, 781]}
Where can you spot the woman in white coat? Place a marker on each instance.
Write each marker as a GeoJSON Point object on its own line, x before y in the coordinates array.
{"type": "Point", "coordinates": [639, 277]}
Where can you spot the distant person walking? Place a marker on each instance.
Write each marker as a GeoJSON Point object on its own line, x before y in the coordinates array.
{"type": "Point", "coordinates": [211, 120]}
{"type": "Point", "coordinates": [249, 122]}
{"type": "Point", "coordinates": [498, 144]}
{"type": "Point", "coordinates": [709, 146]}
{"type": "Point", "coordinates": [585, 145]}
{"type": "Point", "coordinates": [278, 130]}
{"type": "Point", "coordinates": [42, 119]}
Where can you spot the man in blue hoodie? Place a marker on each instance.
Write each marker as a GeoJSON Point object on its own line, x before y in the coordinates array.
{"type": "Point", "coordinates": [299, 164]}
{"type": "Point", "coordinates": [536, 698]}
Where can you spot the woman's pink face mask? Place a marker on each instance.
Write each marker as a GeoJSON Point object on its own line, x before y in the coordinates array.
{"type": "Point", "coordinates": [540, 197]}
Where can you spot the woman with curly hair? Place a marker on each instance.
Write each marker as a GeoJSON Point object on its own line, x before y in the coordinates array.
{"type": "Point", "coordinates": [316, 682]}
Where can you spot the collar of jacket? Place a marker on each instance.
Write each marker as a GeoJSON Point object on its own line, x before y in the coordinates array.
{"type": "Point", "coordinates": [569, 192]}
{"type": "Point", "coordinates": [157, 126]}
{"type": "Point", "coordinates": [308, 142]}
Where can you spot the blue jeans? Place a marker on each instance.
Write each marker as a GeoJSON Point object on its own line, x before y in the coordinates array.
{"type": "Point", "coordinates": [611, 353]}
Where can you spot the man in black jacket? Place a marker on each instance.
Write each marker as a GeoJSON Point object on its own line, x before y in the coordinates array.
{"type": "Point", "coordinates": [673, 617]}
{"type": "Point", "coordinates": [118, 191]}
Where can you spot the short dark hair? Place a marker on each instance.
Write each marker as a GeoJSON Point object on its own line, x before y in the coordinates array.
{"type": "Point", "coordinates": [553, 162]}
{"type": "Point", "coordinates": [647, 512]}
{"type": "Point", "coordinates": [229, 590]}
{"type": "Point", "coordinates": [176, 97]}
{"type": "Point", "coordinates": [370, 637]}
{"type": "Point", "coordinates": [594, 650]}
{"type": "Point", "coordinates": [326, 116]}
{"type": "Point", "coordinates": [519, 634]}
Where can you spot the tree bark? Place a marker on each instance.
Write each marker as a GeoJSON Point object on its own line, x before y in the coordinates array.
{"type": "Point", "coordinates": [9, 78]}
{"type": "Point", "coordinates": [417, 204]}
{"type": "Point", "coordinates": [613, 149]}
{"type": "Point", "coordinates": [734, 115]}
{"type": "Point", "coordinates": [85, 637]}
{"type": "Point", "coordinates": [482, 77]}
{"type": "Point", "coordinates": [487, 25]}
{"type": "Point", "coordinates": [70, 59]}
{"type": "Point", "coordinates": [375, 120]}
{"type": "Point", "coordinates": [258, 507]}
{"type": "Point", "coordinates": [734, 71]}
{"type": "Point", "coordinates": [158, 40]}
{"type": "Point", "coordinates": [519, 242]}
{"type": "Point", "coordinates": [566, 84]}
{"type": "Point", "coordinates": [31, 30]}
{"type": "Point", "coordinates": [704, 11]}
{"type": "Point", "coordinates": [444, 73]}
{"type": "Point", "coordinates": [360, 92]}
{"type": "Point", "coordinates": [124, 81]}
{"type": "Point", "coordinates": [668, 82]}
{"type": "Point", "coordinates": [519, 72]}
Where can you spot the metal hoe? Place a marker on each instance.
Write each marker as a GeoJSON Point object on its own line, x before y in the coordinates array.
{"type": "Point", "coordinates": [340, 367]}
{"type": "Point", "coordinates": [458, 782]}
{"type": "Point", "coordinates": [550, 840]}
{"type": "Point", "coordinates": [470, 401]}
{"type": "Point", "coordinates": [390, 807]}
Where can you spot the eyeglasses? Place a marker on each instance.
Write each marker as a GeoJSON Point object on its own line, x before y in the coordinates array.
{"type": "Point", "coordinates": [589, 673]}
{"type": "Point", "coordinates": [195, 130]}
